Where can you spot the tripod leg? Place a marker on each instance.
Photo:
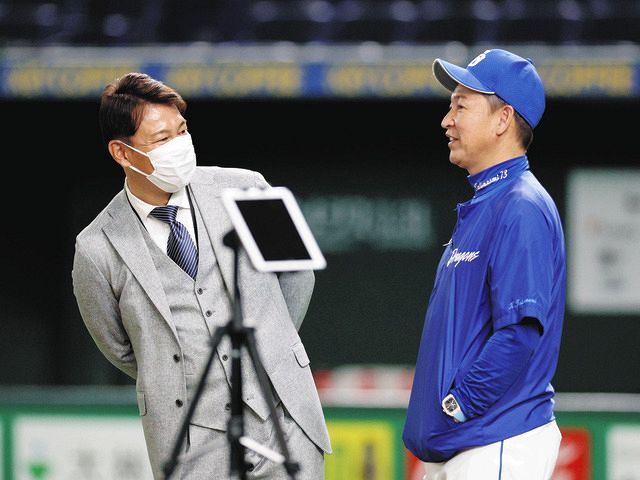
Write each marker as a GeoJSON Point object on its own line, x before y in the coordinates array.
{"type": "Point", "coordinates": [291, 467]}
{"type": "Point", "coordinates": [235, 430]}
{"type": "Point", "coordinates": [171, 464]}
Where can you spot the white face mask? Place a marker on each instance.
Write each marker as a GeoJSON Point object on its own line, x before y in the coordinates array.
{"type": "Point", "coordinates": [173, 163]}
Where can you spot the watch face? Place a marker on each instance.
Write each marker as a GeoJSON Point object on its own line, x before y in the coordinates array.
{"type": "Point", "coordinates": [450, 404]}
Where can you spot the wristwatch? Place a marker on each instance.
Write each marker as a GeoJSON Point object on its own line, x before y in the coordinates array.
{"type": "Point", "coordinates": [450, 407]}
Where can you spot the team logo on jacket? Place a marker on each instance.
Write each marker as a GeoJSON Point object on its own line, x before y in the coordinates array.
{"type": "Point", "coordinates": [457, 257]}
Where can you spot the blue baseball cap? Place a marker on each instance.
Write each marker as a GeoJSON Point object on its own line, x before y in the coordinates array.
{"type": "Point", "coordinates": [512, 78]}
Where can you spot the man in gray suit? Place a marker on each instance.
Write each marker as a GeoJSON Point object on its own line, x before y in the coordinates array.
{"type": "Point", "coordinates": [153, 319]}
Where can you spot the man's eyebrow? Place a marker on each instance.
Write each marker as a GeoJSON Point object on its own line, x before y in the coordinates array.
{"type": "Point", "coordinates": [458, 95]}
{"type": "Point", "coordinates": [165, 130]}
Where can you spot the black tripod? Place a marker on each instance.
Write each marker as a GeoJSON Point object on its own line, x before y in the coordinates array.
{"type": "Point", "coordinates": [240, 336]}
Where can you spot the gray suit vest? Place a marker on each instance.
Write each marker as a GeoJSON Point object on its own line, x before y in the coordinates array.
{"type": "Point", "coordinates": [197, 309]}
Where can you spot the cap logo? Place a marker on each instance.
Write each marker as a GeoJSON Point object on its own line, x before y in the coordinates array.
{"type": "Point", "coordinates": [478, 59]}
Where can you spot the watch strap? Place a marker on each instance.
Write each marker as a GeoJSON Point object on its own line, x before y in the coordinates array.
{"type": "Point", "coordinates": [460, 416]}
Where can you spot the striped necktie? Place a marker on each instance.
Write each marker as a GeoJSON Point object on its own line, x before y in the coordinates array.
{"type": "Point", "coordinates": [180, 247]}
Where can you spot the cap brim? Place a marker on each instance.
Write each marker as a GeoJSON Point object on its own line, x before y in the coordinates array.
{"type": "Point", "coordinates": [450, 76]}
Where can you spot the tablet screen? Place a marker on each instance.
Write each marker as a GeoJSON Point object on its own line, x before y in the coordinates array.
{"type": "Point", "coordinates": [272, 229]}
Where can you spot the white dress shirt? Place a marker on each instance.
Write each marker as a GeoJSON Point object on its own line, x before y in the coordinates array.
{"type": "Point", "coordinates": [158, 229]}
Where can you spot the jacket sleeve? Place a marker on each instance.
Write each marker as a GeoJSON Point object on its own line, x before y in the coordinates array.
{"type": "Point", "coordinates": [100, 313]}
{"type": "Point", "coordinates": [502, 360]}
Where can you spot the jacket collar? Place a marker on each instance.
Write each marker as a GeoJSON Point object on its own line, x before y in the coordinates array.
{"type": "Point", "coordinates": [493, 178]}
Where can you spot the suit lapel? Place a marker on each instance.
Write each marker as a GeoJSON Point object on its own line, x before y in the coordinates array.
{"type": "Point", "coordinates": [125, 233]}
{"type": "Point", "coordinates": [216, 224]}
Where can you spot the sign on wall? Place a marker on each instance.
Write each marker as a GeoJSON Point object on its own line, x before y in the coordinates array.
{"type": "Point", "coordinates": [603, 240]}
{"type": "Point", "coordinates": [294, 71]}
{"type": "Point", "coordinates": [623, 452]}
{"type": "Point", "coordinates": [61, 448]}
{"type": "Point", "coordinates": [574, 456]}
{"type": "Point", "coordinates": [361, 450]}
{"type": "Point", "coordinates": [345, 223]}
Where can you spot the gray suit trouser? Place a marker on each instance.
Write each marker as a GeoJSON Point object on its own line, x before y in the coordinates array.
{"type": "Point", "coordinates": [208, 451]}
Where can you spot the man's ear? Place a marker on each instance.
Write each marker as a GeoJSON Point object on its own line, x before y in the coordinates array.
{"type": "Point", "coordinates": [507, 114]}
{"type": "Point", "coordinates": [119, 153]}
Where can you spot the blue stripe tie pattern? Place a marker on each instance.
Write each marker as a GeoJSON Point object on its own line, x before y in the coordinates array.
{"type": "Point", "coordinates": [180, 247]}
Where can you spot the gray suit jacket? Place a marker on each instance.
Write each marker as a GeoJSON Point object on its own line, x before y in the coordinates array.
{"type": "Point", "coordinates": [124, 307]}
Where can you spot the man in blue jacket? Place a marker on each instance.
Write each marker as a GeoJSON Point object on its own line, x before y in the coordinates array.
{"type": "Point", "coordinates": [481, 404]}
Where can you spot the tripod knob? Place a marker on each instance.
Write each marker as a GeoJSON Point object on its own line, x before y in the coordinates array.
{"type": "Point", "coordinates": [230, 239]}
